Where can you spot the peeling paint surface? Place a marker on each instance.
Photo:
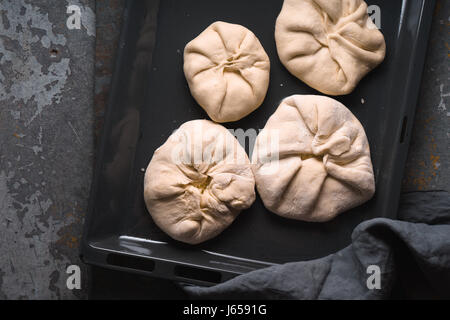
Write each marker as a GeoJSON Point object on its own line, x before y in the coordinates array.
{"type": "Point", "coordinates": [46, 145]}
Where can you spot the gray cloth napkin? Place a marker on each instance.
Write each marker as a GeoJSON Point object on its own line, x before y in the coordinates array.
{"type": "Point", "coordinates": [408, 258]}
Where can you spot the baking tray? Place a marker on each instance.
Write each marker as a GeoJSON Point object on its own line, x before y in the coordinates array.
{"type": "Point", "coordinates": [150, 98]}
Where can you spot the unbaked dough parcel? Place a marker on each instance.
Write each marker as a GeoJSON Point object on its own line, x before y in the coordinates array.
{"type": "Point", "coordinates": [227, 71]}
{"type": "Point", "coordinates": [312, 160]}
{"type": "Point", "coordinates": [198, 181]}
{"type": "Point", "coordinates": [328, 44]}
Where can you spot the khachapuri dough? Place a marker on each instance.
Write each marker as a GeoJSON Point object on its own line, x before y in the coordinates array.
{"type": "Point", "coordinates": [198, 181]}
{"type": "Point", "coordinates": [312, 160]}
{"type": "Point", "coordinates": [328, 44]}
{"type": "Point", "coordinates": [227, 70]}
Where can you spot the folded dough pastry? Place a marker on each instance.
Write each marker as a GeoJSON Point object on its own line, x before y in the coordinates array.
{"type": "Point", "coordinates": [227, 71]}
{"type": "Point", "coordinates": [329, 44]}
{"type": "Point", "coordinates": [198, 181]}
{"type": "Point", "coordinates": [312, 160]}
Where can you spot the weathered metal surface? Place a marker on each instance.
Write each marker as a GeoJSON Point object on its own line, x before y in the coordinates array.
{"type": "Point", "coordinates": [46, 144]}
{"type": "Point", "coordinates": [48, 120]}
{"type": "Point", "coordinates": [109, 17]}
{"type": "Point", "coordinates": [428, 165]}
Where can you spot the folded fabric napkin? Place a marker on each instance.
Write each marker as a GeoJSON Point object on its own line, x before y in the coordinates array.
{"type": "Point", "coordinates": [404, 258]}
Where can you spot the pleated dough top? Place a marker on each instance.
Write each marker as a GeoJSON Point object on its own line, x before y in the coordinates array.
{"type": "Point", "coordinates": [328, 44]}
{"type": "Point", "coordinates": [312, 160]}
{"type": "Point", "coordinates": [227, 70]}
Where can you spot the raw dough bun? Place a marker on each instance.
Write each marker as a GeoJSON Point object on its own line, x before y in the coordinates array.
{"type": "Point", "coordinates": [324, 165]}
{"type": "Point", "coordinates": [329, 44]}
{"type": "Point", "coordinates": [227, 71]}
{"type": "Point", "coordinates": [198, 181]}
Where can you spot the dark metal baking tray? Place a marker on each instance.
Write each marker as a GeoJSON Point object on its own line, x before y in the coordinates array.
{"type": "Point", "coordinates": [150, 98]}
